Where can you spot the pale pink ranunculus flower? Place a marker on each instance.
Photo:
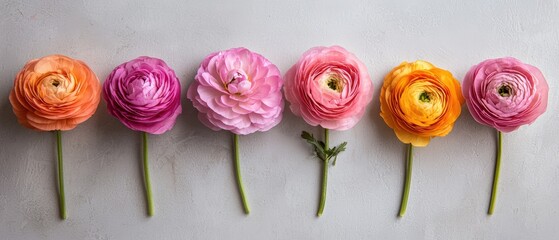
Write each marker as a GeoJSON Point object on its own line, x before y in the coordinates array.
{"type": "Point", "coordinates": [237, 90]}
{"type": "Point", "coordinates": [505, 93]}
{"type": "Point", "coordinates": [329, 87]}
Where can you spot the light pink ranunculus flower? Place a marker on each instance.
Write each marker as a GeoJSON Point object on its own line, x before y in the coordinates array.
{"type": "Point", "coordinates": [329, 87]}
{"type": "Point", "coordinates": [237, 90]}
{"type": "Point", "coordinates": [505, 93]}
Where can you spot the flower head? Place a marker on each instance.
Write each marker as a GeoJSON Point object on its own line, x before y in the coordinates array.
{"type": "Point", "coordinates": [237, 90]}
{"type": "Point", "coordinates": [55, 93]}
{"type": "Point", "coordinates": [329, 87]}
{"type": "Point", "coordinates": [505, 93]}
{"type": "Point", "coordinates": [420, 101]}
{"type": "Point", "coordinates": [144, 94]}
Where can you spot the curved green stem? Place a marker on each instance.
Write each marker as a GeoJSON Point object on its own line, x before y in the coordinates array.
{"type": "Point", "coordinates": [497, 173]}
{"type": "Point", "coordinates": [61, 197]}
{"type": "Point", "coordinates": [409, 164]}
{"type": "Point", "coordinates": [324, 176]}
{"type": "Point", "coordinates": [238, 174]}
{"type": "Point", "coordinates": [147, 181]}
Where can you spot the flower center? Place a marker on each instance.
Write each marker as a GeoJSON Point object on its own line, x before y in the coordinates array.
{"type": "Point", "coordinates": [505, 91]}
{"type": "Point", "coordinates": [55, 83]}
{"type": "Point", "coordinates": [57, 86]}
{"type": "Point", "coordinates": [335, 83]}
{"type": "Point", "coordinates": [238, 82]}
{"type": "Point", "coordinates": [424, 97]}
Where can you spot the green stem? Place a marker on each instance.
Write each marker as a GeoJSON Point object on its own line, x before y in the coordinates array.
{"type": "Point", "coordinates": [409, 164]}
{"type": "Point", "coordinates": [238, 174]}
{"type": "Point", "coordinates": [147, 180]}
{"type": "Point", "coordinates": [497, 173]}
{"type": "Point", "coordinates": [61, 197]}
{"type": "Point", "coordinates": [326, 137]}
{"type": "Point", "coordinates": [324, 176]}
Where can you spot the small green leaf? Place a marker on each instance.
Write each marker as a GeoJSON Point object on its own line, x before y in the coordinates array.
{"type": "Point", "coordinates": [333, 152]}
{"type": "Point", "coordinates": [307, 136]}
{"type": "Point", "coordinates": [318, 145]}
{"type": "Point", "coordinates": [310, 139]}
{"type": "Point", "coordinates": [319, 148]}
{"type": "Point", "coordinates": [322, 144]}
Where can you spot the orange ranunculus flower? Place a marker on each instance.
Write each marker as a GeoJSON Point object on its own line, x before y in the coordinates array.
{"type": "Point", "coordinates": [420, 101]}
{"type": "Point", "coordinates": [55, 93]}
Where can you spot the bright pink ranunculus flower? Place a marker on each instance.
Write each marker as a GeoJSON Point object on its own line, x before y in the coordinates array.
{"type": "Point", "coordinates": [329, 87]}
{"type": "Point", "coordinates": [505, 93]}
{"type": "Point", "coordinates": [144, 94]}
{"type": "Point", "coordinates": [237, 90]}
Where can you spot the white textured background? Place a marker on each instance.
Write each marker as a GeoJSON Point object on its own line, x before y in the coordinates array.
{"type": "Point", "coordinates": [195, 193]}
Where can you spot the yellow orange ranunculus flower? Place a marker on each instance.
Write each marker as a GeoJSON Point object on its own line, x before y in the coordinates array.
{"type": "Point", "coordinates": [55, 93]}
{"type": "Point", "coordinates": [420, 101]}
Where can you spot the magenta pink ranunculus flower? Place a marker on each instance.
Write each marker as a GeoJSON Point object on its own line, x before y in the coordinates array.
{"type": "Point", "coordinates": [237, 90]}
{"type": "Point", "coordinates": [505, 93]}
{"type": "Point", "coordinates": [144, 94]}
{"type": "Point", "coordinates": [329, 87]}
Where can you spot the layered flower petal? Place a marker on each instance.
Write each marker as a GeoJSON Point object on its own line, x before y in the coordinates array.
{"type": "Point", "coordinates": [144, 94]}
{"type": "Point", "coordinates": [329, 87]}
{"type": "Point", "coordinates": [237, 90]}
{"type": "Point", "coordinates": [55, 93]}
{"type": "Point", "coordinates": [420, 101]}
{"type": "Point", "coordinates": [505, 93]}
